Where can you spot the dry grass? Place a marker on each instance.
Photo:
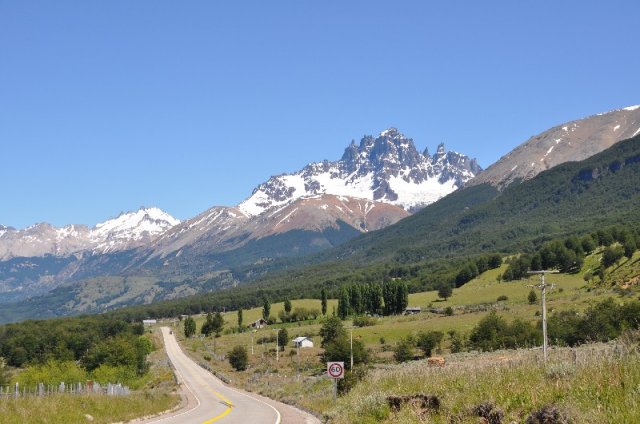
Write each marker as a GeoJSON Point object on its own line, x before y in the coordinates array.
{"type": "Point", "coordinates": [599, 387]}
{"type": "Point", "coordinates": [71, 409]}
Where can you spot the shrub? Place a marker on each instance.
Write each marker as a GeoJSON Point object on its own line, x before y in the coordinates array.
{"type": "Point", "coordinates": [502, 298]}
{"type": "Point", "coordinates": [493, 332]}
{"type": "Point", "coordinates": [403, 351]}
{"type": "Point", "coordinates": [364, 321]}
{"type": "Point", "coordinates": [429, 341]}
{"type": "Point", "coordinates": [340, 350]}
{"type": "Point", "coordinates": [238, 358]}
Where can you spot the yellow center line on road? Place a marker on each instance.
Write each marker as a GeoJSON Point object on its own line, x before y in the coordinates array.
{"type": "Point", "coordinates": [226, 411]}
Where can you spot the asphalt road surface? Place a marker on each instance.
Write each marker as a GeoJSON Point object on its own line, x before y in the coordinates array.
{"type": "Point", "coordinates": [209, 400]}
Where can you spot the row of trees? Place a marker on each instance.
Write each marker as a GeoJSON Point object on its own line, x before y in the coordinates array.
{"type": "Point", "coordinates": [388, 298]}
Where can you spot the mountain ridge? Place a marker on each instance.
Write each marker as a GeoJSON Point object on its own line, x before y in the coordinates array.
{"type": "Point", "coordinates": [570, 141]}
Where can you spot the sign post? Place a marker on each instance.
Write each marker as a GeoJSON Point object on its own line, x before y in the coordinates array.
{"type": "Point", "coordinates": [335, 371]}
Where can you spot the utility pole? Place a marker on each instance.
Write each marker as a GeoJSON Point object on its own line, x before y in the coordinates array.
{"type": "Point", "coordinates": [543, 288]}
{"type": "Point", "coordinates": [277, 348]}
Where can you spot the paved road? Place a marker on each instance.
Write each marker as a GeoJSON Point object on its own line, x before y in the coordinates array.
{"type": "Point", "coordinates": [211, 401]}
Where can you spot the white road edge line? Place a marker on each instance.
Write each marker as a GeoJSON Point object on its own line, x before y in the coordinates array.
{"type": "Point", "coordinates": [261, 401]}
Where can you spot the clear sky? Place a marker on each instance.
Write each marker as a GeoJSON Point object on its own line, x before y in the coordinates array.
{"type": "Point", "coordinates": [106, 106]}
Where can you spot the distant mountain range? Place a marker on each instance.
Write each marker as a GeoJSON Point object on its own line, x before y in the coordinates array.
{"type": "Point", "coordinates": [147, 255]}
{"type": "Point", "coordinates": [127, 231]}
{"type": "Point", "coordinates": [374, 185]}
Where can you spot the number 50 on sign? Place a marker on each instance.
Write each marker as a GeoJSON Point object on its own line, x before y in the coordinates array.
{"type": "Point", "coordinates": [335, 369]}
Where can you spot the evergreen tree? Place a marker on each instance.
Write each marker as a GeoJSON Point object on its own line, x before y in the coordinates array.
{"type": "Point", "coordinates": [287, 306]}
{"type": "Point", "coordinates": [402, 297]}
{"type": "Point", "coordinates": [355, 298]}
{"type": "Point", "coordinates": [331, 330]}
{"type": "Point", "coordinates": [344, 303]}
{"type": "Point", "coordinates": [283, 338]}
{"type": "Point", "coordinates": [389, 296]}
{"type": "Point", "coordinates": [532, 297]}
{"type": "Point", "coordinates": [240, 318]}
{"type": "Point", "coordinates": [323, 301]}
{"type": "Point", "coordinates": [266, 308]}
{"type": "Point", "coordinates": [189, 327]}
{"type": "Point", "coordinates": [238, 358]}
{"type": "Point", "coordinates": [217, 324]}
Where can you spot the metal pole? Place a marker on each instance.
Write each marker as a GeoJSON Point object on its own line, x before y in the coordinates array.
{"type": "Point", "coordinates": [251, 344]}
{"type": "Point", "coordinates": [351, 349]}
{"type": "Point", "coordinates": [335, 389]}
{"type": "Point", "coordinates": [277, 348]}
{"type": "Point", "coordinates": [544, 318]}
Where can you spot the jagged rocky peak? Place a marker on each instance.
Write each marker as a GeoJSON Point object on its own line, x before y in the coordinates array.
{"type": "Point", "coordinates": [385, 168]}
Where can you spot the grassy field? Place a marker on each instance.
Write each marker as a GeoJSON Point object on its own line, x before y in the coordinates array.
{"type": "Point", "coordinates": [157, 395]}
{"type": "Point", "coordinates": [300, 379]}
{"type": "Point", "coordinates": [600, 386]}
{"type": "Point", "coordinates": [75, 408]}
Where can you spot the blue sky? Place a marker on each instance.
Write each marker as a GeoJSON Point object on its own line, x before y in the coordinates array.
{"type": "Point", "coordinates": [108, 106]}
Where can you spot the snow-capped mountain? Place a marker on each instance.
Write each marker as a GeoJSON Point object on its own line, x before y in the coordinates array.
{"type": "Point", "coordinates": [131, 229]}
{"type": "Point", "coordinates": [387, 168]}
{"type": "Point", "coordinates": [572, 141]}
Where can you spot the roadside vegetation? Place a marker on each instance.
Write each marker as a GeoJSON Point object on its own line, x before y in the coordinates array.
{"type": "Point", "coordinates": [486, 314]}
{"type": "Point", "coordinates": [116, 352]}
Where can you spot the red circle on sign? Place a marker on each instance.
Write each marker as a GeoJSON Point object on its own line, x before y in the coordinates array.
{"type": "Point", "coordinates": [335, 370]}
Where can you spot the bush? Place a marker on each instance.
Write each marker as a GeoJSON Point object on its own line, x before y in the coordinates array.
{"type": "Point", "coordinates": [52, 372]}
{"type": "Point", "coordinates": [429, 341]}
{"type": "Point", "coordinates": [493, 332]}
{"type": "Point", "coordinates": [502, 298]}
{"type": "Point", "coordinates": [364, 321]}
{"type": "Point", "coordinates": [403, 351]}
{"type": "Point", "coordinates": [238, 358]}
{"type": "Point", "coordinates": [340, 350]}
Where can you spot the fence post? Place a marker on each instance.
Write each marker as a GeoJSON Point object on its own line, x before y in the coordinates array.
{"type": "Point", "coordinates": [17, 390]}
{"type": "Point", "coordinates": [40, 389]}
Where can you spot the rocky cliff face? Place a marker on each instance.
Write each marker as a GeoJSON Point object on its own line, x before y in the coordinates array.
{"type": "Point", "coordinates": [572, 141]}
{"type": "Point", "coordinates": [387, 169]}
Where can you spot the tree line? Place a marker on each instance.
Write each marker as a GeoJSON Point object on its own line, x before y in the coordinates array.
{"type": "Point", "coordinates": [567, 255]}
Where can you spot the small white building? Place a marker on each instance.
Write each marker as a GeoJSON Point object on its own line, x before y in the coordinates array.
{"type": "Point", "coordinates": [149, 321]}
{"type": "Point", "coordinates": [302, 342]}
{"type": "Point", "coordinates": [412, 310]}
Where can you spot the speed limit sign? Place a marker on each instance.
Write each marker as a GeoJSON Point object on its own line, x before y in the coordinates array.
{"type": "Point", "coordinates": [335, 369]}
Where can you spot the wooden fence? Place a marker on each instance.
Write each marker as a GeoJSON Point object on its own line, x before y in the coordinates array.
{"type": "Point", "coordinates": [89, 387]}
